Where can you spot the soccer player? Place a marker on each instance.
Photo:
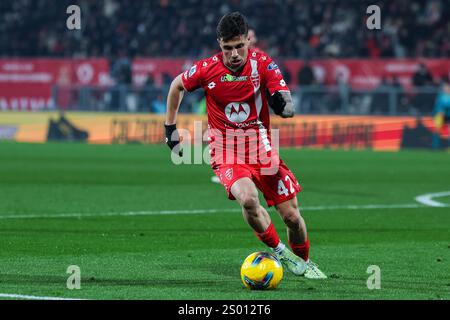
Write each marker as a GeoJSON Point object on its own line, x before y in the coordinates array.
{"type": "Point", "coordinates": [252, 41]}
{"type": "Point", "coordinates": [235, 82]}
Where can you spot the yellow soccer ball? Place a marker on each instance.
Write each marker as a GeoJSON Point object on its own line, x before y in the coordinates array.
{"type": "Point", "coordinates": [261, 271]}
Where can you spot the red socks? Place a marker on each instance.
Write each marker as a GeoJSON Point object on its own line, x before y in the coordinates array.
{"type": "Point", "coordinates": [301, 250]}
{"type": "Point", "coordinates": [269, 237]}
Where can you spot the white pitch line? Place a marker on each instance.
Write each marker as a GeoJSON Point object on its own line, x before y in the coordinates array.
{"type": "Point", "coordinates": [426, 199]}
{"type": "Point", "coordinates": [28, 297]}
{"type": "Point", "coordinates": [203, 211]}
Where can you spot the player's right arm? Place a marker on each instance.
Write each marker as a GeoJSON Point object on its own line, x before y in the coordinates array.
{"type": "Point", "coordinates": [174, 98]}
{"type": "Point", "coordinates": [187, 81]}
{"type": "Point", "coordinates": [176, 92]}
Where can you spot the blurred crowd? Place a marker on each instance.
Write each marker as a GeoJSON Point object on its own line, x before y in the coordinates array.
{"type": "Point", "coordinates": [286, 28]}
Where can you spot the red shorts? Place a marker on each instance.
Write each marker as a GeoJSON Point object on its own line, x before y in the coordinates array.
{"type": "Point", "coordinates": [276, 188]}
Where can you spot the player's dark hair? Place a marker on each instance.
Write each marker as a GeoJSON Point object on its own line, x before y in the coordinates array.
{"type": "Point", "coordinates": [232, 25]}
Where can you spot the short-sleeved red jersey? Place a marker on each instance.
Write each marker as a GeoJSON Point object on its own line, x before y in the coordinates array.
{"type": "Point", "coordinates": [237, 100]}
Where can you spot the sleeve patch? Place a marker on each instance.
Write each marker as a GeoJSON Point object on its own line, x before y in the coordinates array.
{"type": "Point", "coordinates": [192, 70]}
{"type": "Point", "coordinates": [272, 66]}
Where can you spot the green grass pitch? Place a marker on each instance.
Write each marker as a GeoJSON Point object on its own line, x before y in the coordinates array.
{"type": "Point", "coordinates": [165, 251]}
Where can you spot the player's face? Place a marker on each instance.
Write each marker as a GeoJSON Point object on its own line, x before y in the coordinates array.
{"type": "Point", "coordinates": [235, 51]}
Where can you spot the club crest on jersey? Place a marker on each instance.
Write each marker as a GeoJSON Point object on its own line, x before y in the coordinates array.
{"type": "Point", "coordinates": [237, 111]}
{"type": "Point", "coordinates": [255, 80]}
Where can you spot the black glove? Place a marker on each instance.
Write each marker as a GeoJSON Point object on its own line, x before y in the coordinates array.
{"type": "Point", "coordinates": [276, 102]}
{"type": "Point", "coordinates": [173, 139]}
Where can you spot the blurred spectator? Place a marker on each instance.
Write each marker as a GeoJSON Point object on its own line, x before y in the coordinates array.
{"type": "Point", "coordinates": [290, 28]}
{"type": "Point", "coordinates": [422, 77]}
{"type": "Point", "coordinates": [441, 113]}
{"type": "Point", "coordinates": [150, 81]}
{"type": "Point", "coordinates": [253, 39]}
{"type": "Point", "coordinates": [166, 79]}
{"type": "Point", "coordinates": [380, 100]}
{"type": "Point", "coordinates": [306, 75]}
{"type": "Point", "coordinates": [422, 101]}
{"type": "Point", "coordinates": [148, 93]}
{"type": "Point", "coordinates": [121, 69]}
{"type": "Point", "coordinates": [400, 96]}
{"type": "Point", "coordinates": [158, 105]}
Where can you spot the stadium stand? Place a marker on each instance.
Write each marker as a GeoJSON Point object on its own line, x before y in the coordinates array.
{"type": "Point", "coordinates": [287, 28]}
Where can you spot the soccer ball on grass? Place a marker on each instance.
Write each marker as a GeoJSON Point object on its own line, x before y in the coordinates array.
{"type": "Point", "coordinates": [261, 270]}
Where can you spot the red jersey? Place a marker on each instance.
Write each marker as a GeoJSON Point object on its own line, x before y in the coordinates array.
{"type": "Point", "coordinates": [236, 101]}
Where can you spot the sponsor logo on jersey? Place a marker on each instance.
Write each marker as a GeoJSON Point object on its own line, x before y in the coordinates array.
{"type": "Point", "coordinates": [211, 85]}
{"type": "Point", "coordinates": [229, 78]}
{"type": "Point", "coordinates": [272, 66]}
{"type": "Point", "coordinates": [237, 111]}
{"type": "Point", "coordinates": [243, 125]}
{"type": "Point", "coordinates": [192, 70]}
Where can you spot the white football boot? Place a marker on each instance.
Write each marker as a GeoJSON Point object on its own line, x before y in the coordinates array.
{"type": "Point", "coordinates": [290, 261]}
{"type": "Point", "coordinates": [313, 271]}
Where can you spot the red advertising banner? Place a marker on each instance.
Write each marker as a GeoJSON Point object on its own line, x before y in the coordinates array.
{"type": "Point", "coordinates": [26, 84]}
{"type": "Point", "coordinates": [156, 67]}
{"type": "Point", "coordinates": [358, 73]}
{"type": "Point", "coordinates": [367, 74]}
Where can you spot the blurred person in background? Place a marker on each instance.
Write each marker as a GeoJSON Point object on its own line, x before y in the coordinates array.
{"type": "Point", "coordinates": [306, 78]}
{"type": "Point", "coordinates": [422, 77]}
{"type": "Point", "coordinates": [441, 114]}
{"type": "Point", "coordinates": [423, 82]}
{"type": "Point", "coordinates": [158, 105]}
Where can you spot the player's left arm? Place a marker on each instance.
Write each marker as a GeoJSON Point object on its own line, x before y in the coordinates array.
{"type": "Point", "coordinates": [281, 103]}
{"type": "Point", "coordinates": [278, 95]}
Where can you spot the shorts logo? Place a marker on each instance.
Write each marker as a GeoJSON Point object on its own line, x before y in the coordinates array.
{"type": "Point", "coordinates": [229, 173]}
{"type": "Point", "coordinates": [237, 111]}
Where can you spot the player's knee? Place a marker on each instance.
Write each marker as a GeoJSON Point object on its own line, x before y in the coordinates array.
{"type": "Point", "coordinates": [249, 201]}
{"type": "Point", "coordinates": [292, 219]}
